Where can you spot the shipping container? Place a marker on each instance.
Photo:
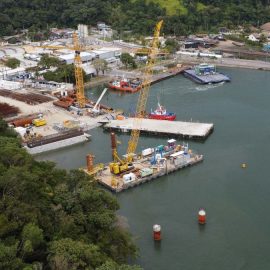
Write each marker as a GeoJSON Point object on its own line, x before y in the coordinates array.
{"type": "Point", "coordinates": [146, 172]}
{"type": "Point", "coordinates": [129, 177]}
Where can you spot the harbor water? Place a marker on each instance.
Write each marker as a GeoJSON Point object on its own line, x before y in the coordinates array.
{"type": "Point", "coordinates": [236, 199]}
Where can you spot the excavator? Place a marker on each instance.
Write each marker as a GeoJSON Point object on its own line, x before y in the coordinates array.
{"type": "Point", "coordinates": [120, 165]}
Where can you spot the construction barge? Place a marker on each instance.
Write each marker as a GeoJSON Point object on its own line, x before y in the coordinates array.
{"type": "Point", "coordinates": [56, 141]}
{"type": "Point", "coordinates": [179, 129]}
{"type": "Point", "coordinates": [151, 164]}
{"type": "Point", "coordinates": [205, 74]}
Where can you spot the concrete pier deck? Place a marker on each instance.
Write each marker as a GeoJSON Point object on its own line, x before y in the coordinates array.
{"type": "Point", "coordinates": [190, 130]}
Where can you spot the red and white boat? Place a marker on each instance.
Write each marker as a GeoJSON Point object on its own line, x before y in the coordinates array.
{"type": "Point", "coordinates": [161, 114]}
{"type": "Point", "coordinates": [126, 85]}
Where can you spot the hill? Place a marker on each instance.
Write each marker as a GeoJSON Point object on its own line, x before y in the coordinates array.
{"type": "Point", "coordinates": [181, 16]}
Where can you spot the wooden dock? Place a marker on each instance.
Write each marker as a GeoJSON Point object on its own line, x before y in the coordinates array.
{"type": "Point", "coordinates": [177, 129]}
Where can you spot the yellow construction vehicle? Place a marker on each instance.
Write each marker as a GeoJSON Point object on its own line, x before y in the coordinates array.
{"type": "Point", "coordinates": [39, 122]}
{"type": "Point", "coordinates": [77, 66]}
{"type": "Point", "coordinates": [121, 165]}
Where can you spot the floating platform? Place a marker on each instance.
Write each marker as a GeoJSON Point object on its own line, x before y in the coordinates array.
{"type": "Point", "coordinates": [186, 130]}
{"type": "Point", "coordinates": [206, 79]}
{"type": "Point", "coordinates": [56, 142]}
{"type": "Point", "coordinates": [119, 183]}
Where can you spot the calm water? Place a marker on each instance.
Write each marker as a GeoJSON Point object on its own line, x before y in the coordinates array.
{"type": "Point", "coordinates": [237, 233]}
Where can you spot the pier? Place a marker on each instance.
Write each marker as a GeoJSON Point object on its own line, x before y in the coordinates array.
{"type": "Point", "coordinates": [189, 130]}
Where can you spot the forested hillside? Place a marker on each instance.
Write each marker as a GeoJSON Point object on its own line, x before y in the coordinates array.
{"type": "Point", "coordinates": [53, 219]}
{"type": "Point", "coordinates": [181, 16]}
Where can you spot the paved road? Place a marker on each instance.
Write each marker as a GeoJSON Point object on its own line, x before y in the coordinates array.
{"type": "Point", "coordinates": [228, 62]}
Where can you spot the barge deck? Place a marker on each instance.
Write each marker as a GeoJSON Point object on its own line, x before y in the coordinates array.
{"type": "Point", "coordinates": [206, 79]}
{"type": "Point", "coordinates": [117, 184]}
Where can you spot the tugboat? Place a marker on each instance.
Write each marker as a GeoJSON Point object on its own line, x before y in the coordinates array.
{"type": "Point", "coordinates": [126, 85]}
{"type": "Point", "coordinates": [161, 114]}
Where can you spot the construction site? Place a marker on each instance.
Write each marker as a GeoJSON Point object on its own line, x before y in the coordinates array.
{"type": "Point", "coordinates": [135, 169]}
{"type": "Point", "coordinates": [49, 121]}
{"type": "Point", "coordinates": [132, 169]}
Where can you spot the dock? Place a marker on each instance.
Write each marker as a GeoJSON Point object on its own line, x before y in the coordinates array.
{"type": "Point", "coordinates": [178, 129]}
{"type": "Point", "coordinates": [167, 75]}
{"type": "Point", "coordinates": [206, 79]}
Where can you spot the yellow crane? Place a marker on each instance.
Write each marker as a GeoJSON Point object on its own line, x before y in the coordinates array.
{"type": "Point", "coordinates": [120, 165]}
{"type": "Point", "coordinates": [77, 66]}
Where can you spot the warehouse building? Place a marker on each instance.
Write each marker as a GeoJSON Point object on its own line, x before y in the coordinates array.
{"type": "Point", "coordinates": [85, 56]}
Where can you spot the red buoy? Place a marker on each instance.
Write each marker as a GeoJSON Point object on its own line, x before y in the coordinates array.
{"type": "Point", "coordinates": [202, 217]}
{"type": "Point", "coordinates": [157, 232]}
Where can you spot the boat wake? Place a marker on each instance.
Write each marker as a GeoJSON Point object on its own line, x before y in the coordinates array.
{"type": "Point", "coordinates": [208, 86]}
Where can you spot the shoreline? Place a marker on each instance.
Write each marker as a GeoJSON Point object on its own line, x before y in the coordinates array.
{"type": "Point", "coordinates": [229, 62]}
{"type": "Point", "coordinates": [224, 62]}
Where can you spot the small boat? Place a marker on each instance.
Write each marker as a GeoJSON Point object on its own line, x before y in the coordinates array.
{"type": "Point", "coordinates": [126, 85]}
{"type": "Point", "coordinates": [161, 114]}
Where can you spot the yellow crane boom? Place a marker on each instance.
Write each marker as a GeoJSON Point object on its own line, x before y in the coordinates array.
{"type": "Point", "coordinates": [77, 66]}
{"type": "Point", "coordinates": [143, 95]}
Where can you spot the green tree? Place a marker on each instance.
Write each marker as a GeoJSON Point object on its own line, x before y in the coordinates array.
{"type": "Point", "coordinates": [128, 60]}
{"type": "Point", "coordinates": [13, 62]}
{"type": "Point", "coordinates": [64, 73]}
{"type": "Point", "coordinates": [172, 45]}
{"type": "Point", "coordinates": [54, 219]}
{"type": "Point", "coordinates": [47, 61]}
{"type": "Point", "coordinates": [74, 255]}
{"type": "Point", "coordinates": [100, 65]}
{"type": "Point", "coordinates": [109, 265]}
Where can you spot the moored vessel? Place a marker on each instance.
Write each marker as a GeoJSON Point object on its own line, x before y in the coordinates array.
{"type": "Point", "coordinates": [126, 85]}
{"type": "Point", "coordinates": [161, 114]}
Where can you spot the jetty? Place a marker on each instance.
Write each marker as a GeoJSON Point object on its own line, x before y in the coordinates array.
{"type": "Point", "coordinates": [179, 129]}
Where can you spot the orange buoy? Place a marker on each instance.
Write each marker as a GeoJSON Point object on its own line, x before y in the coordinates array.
{"type": "Point", "coordinates": [157, 232]}
{"type": "Point", "coordinates": [202, 217]}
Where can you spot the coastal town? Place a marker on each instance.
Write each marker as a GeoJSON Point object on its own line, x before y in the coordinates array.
{"type": "Point", "coordinates": [166, 121]}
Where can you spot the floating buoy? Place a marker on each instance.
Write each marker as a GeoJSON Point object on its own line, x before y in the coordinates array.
{"type": "Point", "coordinates": [244, 165]}
{"type": "Point", "coordinates": [157, 232]}
{"type": "Point", "coordinates": [202, 217]}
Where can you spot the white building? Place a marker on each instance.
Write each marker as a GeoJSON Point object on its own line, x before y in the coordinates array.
{"type": "Point", "coordinates": [10, 85]}
{"type": "Point", "coordinates": [106, 53]}
{"type": "Point", "coordinates": [85, 56]}
{"type": "Point", "coordinates": [83, 31]}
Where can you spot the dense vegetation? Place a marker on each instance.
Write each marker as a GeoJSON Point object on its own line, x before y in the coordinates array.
{"type": "Point", "coordinates": [181, 16]}
{"type": "Point", "coordinates": [53, 219]}
{"type": "Point", "coordinates": [12, 62]}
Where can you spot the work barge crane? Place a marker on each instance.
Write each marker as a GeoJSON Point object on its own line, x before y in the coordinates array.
{"type": "Point", "coordinates": [77, 48]}
{"type": "Point", "coordinates": [120, 165]}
